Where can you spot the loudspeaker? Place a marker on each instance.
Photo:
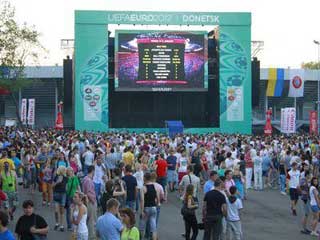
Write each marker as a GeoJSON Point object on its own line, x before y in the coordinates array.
{"type": "Point", "coordinates": [67, 85]}
{"type": "Point", "coordinates": [255, 74]}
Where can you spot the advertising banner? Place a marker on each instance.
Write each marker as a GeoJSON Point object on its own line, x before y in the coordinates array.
{"type": "Point", "coordinates": [31, 111]}
{"type": "Point", "coordinates": [313, 120]}
{"type": "Point", "coordinates": [23, 114]}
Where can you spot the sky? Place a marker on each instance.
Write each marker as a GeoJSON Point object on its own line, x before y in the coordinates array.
{"type": "Point", "coordinates": [287, 27]}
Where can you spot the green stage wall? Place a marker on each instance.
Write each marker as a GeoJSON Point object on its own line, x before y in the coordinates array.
{"type": "Point", "coordinates": [91, 64]}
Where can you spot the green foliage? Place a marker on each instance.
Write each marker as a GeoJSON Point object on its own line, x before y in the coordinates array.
{"type": "Point", "coordinates": [18, 44]}
{"type": "Point", "coordinates": [311, 65]}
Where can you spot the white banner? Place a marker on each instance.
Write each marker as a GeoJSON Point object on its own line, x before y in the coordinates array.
{"type": "Point", "coordinates": [288, 120]}
{"type": "Point", "coordinates": [235, 103]}
{"type": "Point", "coordinates": [92, 105]}
{"type": "Point", "coordinates": [296, 87]}
{"type": "Point", "coordinates": [31, 111]}
{"type": "Point", "coordinates": [23, 113]}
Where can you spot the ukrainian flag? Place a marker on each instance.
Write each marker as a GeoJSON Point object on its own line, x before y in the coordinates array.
{"type": "Point", "coordinates": [275, 82]}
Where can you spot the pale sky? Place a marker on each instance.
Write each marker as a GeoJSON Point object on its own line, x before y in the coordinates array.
{"type": "Point", "coordinates": [287, 27]}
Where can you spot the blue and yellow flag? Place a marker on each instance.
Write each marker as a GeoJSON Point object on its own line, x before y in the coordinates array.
{"type": "Point", "coordinates": [275, 82]}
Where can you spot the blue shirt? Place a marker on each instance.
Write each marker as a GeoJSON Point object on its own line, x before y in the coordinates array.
{"type": "Point", "coordinates": [17, 162]}
{"type": "Point", "coordinates": [109, 227]}
{"type": "Point", "coordinates": [6, 235]}
{"type": "Point", "coordinates": [172, 161]}
{"type": "Point", "coordinates": [208, 186]}
{"type": "Point", "coordinates": [266, 163]}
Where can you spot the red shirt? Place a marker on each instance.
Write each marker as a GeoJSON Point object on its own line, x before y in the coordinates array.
{"type": "Point", "coordinates": [162, 166]}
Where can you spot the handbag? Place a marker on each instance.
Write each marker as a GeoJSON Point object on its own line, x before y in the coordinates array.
{"type": "Point", "coordinates": [185, 211]}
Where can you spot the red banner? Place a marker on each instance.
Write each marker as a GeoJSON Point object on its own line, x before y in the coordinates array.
{"type": "Point", "coordinates": [268, 126]}
{"type": "Point", "coordinates": [313, 120]}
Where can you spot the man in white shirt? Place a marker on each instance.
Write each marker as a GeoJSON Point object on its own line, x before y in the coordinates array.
{"type": "Point", "coordinates": [294, 178]}
{"type": "Point", "coordinates": [88, 159]}
{"type": "Point", "coordinates": [190, 178]}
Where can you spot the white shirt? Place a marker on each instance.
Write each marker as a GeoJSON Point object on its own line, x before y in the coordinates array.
{"type": "Point", "coordinates": [139, 176]}
{"type": "Point", "coordinates": [98, 173]}
{"type": "Point", "coordinates": [313, 201]}
{"type": "Point", "coordinates": [294, 178]}
{"type": "Point", "coordinates": [233, 210]}
{"type": "Point", "coordinates": [88, 158]}
{"type": "Point", "coordinates": [229, 163]}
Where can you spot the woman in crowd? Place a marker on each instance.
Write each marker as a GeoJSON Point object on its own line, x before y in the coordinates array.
{"type": "Point", "coordinates": [73, 185]}
{"type": "Point", "coordinates": [59, 196]}
{"type": "Point", "coordinates": [188, 213]}
{"type": "Point", "coordinates": [148, 202]}
{"type": "Point", "coordinates": [130, 232]}
{"type": "Point", "coordinates": [315, 203]}
{"type": "Point", "coordinates": [79, 216]}
{"type": "Point", "coordinates": [47, 184]}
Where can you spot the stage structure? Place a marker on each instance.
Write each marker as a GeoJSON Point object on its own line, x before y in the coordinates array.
{"type": "Point", "coordinates": [139, 78]}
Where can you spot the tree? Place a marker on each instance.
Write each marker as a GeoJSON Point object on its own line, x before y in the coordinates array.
{"type": "Point", "coordinates": [310, 65]}
{"type": "Point", "coordinates": [19, 44]}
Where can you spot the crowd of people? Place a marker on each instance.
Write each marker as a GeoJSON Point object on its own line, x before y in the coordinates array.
{"type": "Point", "coordinates": [113, 185]}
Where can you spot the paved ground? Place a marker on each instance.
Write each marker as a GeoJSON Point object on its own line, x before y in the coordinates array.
{"type": "Point", "coordinates": [266, 216]}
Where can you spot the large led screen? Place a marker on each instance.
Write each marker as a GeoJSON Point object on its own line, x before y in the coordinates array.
{"type": "Point", "coordinates": [160, 61]}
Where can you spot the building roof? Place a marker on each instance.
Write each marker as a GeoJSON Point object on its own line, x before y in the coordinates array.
{"type": "Point", "coordinates": [44, 72]}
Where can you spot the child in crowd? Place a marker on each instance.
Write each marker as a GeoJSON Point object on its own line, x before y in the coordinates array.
{"type": "Point", "coordinates": [234, 205]}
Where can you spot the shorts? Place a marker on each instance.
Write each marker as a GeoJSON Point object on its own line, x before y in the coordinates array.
{"type": "Point", "coordinates": [265, 173]}
{"type": "Point", "coordinates": [294, 195]}
{"type": "Point", "coordinates": [60, 198]}
{"type": "Point", "coordinates": [315, 209]}
{"type": "Point", "coordinates": [172, 176]}
{"type": "Point", "coordinates": [12, 200]}
{"type": "Point", "coordinates": [150, 217]}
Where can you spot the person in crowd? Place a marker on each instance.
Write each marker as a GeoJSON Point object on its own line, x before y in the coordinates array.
{"type": "Point", "coordinates": [148, 202]}
{"type": "Point", "coordinates": [282, 175]}
{"type": "Point", "coordinates": [88, 157]}
{"type": "Point", "coordinates": [228, 181]}
{"type": "Point", "coordinates": [239, 182]}
{"type": "Point", "coordinates": [59, 196]}
{"type": "Point", "coordinates": [5, 233]}
{"type": "Point", "coordinates": [234, 205]}
{"type": "Point", "coordinates": [30, 225]}
{"type": "Point", "coordinates": [128, 157]}
{"type": "Point", "coordinates": [161, 167]}
{"type": "Point", "coordinates": [222, 169]}
{"type": "Point", "coordinates": [139, 177]}
{"type": "Point", "coordinates": [172, 170]}
{"type": "Point", "coordinates": [130, 232]}
{"type": "Point", "coordinates": [183, 163]}
{"type": "Point", "coordinates": [209, 185]}
{"type": "Point", "coordinates": [188, 212]}
{"type": "Point", "coordinates": [73, 185]}
{"type": "Point", "coordinates": [249, 168]}
{"type": "Point", "coordinates": [109, 225]}
{"type": "Point", "coordinates": [79, 216]}
{"type": "Point", "coordinates": [100, 171]}
{"type": "Point", "coordinates": [190, 178]}
{"type": "Point", "coordinates": [314, 203]}
{"type": "Point", "coordinates": [120, 186]}
{"type": "Point", "coordinates": [131, 187]}
{"type": "Point", "coordinates": [47, 184]}
{"type": "Point", "coordinates": [304, 196]}
{"type": "Point", "coordinates": [88, 189]}
{"type": "Point", "coordinates": [8, 179]}
{"type": "Point", "coordinates": [257, 167]}
{"type": "Point", "coordinates": [294, 177]}
{"type": "Point", "coordinates": [214, 209]}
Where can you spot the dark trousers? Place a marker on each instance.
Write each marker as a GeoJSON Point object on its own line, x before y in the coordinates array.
{"type": "Point", "coordinates": [213, 227]}
{"type": "Point", "coordinates": [191, 223]}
